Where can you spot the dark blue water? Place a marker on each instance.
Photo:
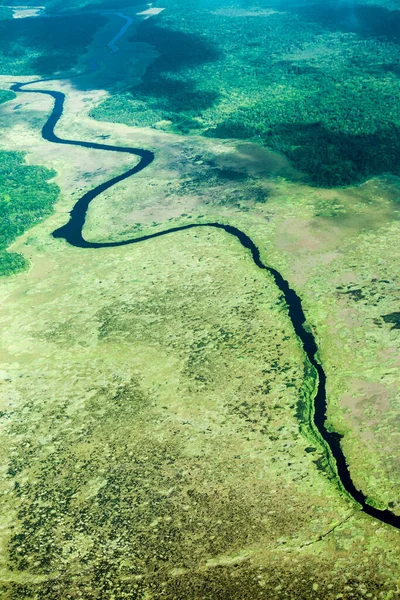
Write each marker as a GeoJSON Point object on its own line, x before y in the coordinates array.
{"type": "Point", "coordinates": [72, 232]}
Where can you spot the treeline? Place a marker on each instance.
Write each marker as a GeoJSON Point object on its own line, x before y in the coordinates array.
{"type": "Point", "coordinates": [324, 97]}
{"type": "Point", "coordinates": [26, 198]}
{"type": "Point", "coordinates": [43, 46]}
{"type": "Point", "coordinates": [6, 95]}
{"type": "Point", "coordinates": [57, 7]}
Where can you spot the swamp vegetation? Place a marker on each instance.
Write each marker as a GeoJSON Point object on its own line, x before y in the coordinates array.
{"type": "Point", "coordinates": [155, 402]}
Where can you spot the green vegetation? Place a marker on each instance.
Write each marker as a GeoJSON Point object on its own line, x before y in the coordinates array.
{"type": "Point", "coordinates": [5, 13]}
{"type": "Point", "coordinates": [26, 197]}
{"type": "Point", "coordinates": [169, 452]}
{"type": "Point", "coordinates": [160, 455]}
{"type": "Point", "coordinates": [6, 95]}
{"type": "Point", "coordinates": [311, 86]}
{"type": "Point", "coordinates": [316, 238]}
{"type": "Point", "coordinates": [43, 46]}
{"type": "Point", "coordinates": [344, 265]}
{"type": "Point", "coordinates": [366, 21]}
{"type": "Point", "coordinates": [362, 329]}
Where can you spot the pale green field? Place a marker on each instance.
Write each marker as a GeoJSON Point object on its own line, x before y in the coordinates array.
{"type": "Point", "coordinates": [327, 244]}
{"type": "Point", "coordinates": [150, 434]}
{"type": "Point", "coordinates": [151, 442]}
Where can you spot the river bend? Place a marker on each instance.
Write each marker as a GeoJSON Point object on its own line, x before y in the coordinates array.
{"type": "Point", "coordinates": [72, 233]}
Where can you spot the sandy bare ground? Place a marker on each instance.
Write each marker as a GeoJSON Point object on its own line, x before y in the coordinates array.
{"type": "Point", "coordinates": [150, 12]}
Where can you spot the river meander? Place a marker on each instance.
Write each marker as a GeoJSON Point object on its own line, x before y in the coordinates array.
{"type": "Point", "coordinates": [72, 233]}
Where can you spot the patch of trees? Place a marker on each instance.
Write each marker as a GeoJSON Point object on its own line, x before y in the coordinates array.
{"type": "Point", "coordinates": [324, 96]}
{"type": "Point", "coordinates": [26, 197]}
{"type": "Point", "coordinates": [6, 95]}
{"type": "Point", "coordinates": [43, 46]}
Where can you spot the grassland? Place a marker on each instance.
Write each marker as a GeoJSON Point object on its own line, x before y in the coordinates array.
{"type": "Point", "coordinates": [160, 455]}
{"type": "Point", "coordinates": [344, 264]}
{"type": "Point", "coordinates": [150, 394]}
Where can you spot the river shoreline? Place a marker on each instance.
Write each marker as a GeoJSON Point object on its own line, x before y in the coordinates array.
{"type": "Point", "coordinates": [72, 233]}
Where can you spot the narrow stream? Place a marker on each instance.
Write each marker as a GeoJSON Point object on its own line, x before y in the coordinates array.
{"type": "Point", "coordinates": [72, 232]}
{"type": "Point", "coordinates": [113, 43]}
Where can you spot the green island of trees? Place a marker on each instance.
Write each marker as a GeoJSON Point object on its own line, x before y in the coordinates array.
{"type": "Point", "coordinates": [26, 197]}
{"type": "Point", "coordinates": [6, 95]}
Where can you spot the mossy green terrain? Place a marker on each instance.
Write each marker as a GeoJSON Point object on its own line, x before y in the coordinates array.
{"type": "Point", "coordinates": [26, 197]}
{"type": "Point", "coordinates": [156, 404]}
{"type": "Point", "coordinates": [152, 443]}
{"type": "Point", "coordinates": [345, 267]}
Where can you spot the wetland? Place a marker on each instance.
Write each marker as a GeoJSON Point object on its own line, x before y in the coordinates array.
{"type": "Point", "coordinates": [196, 436]}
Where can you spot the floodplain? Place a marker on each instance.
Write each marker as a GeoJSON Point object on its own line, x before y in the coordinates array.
{"type": "Point", "coordinates": [153, 441]}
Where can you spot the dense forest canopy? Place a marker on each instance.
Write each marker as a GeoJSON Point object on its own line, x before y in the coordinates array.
{"type": "Point", "coordinates": [317, 81]}
{"type": "Point", "coordinates": [44, 46]}
{"type": "Point", "coordinates": [26, 197]}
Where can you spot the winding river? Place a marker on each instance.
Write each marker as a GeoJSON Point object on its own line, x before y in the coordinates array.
{"type": "Point", "coordinates": [72, 233]}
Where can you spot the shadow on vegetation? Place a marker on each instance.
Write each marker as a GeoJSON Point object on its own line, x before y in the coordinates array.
{"type": "Point", "coordinates": [375, 69]}
{"type": "Point", "coordinates": [44, 46]}
{"type": "Point", "coordinates": [333, 158]}
{"type": "Point", "coordinates": [163, 82]}
{"type": "Point", "coordinates": [392, 68]}
{"type": "Point", "coordinates": [329, 158]}
{"type": "Point", "coordinates": [393, 319]}
{"type": "Point", "coordinates": [347, 16]}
